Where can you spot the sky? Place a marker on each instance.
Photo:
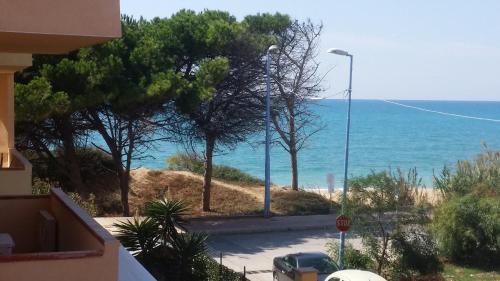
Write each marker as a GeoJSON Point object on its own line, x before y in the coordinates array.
{"type": "Point", "coordinates": [404, 50]}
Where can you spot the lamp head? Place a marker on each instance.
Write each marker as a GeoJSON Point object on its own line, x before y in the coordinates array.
{"type": "Point", "coordinates": [338, 52]}
{"type": "Point", "coordinates": [272, 49]}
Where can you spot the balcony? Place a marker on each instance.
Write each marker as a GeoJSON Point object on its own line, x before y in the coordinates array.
{"type": "Point", "coordinates": [55, 240]}
{"type": "Point", "coordinates": [57, 26]}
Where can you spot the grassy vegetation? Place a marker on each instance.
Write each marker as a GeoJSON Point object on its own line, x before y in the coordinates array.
{"type": "Point", "coordinates": [467, 224]}
{"type": "Point", "coordinates": [466, 273]}
{"type": "Point", "coordinates": [190, 163]}
{"type": "Point", "coordinates": [289, 202]}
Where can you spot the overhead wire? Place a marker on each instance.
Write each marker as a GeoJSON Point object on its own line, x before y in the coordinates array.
{"type": "Point", "coordinates": [441, 112]}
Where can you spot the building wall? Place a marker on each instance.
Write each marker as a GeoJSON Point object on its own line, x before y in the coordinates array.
{"type": "Point", "coordinates": [57, 26]}
{"type": "Point", "coordinates": [13, 180]}
{"type": "Point", "coordinates": [86, 251]}
{"type": "Point", "coordinates": [73, 234]}
{"type": "Point", "coordinates": [97, 268]}
{"type": "Point", "coordinates": [6, 111]}
{"type": "Point", "coordinates": [19, 218]}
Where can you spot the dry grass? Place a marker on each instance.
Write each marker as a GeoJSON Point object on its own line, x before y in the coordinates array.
{"type": "Point", "coordinates": [228, 199]}
{"type": "Point", "coordinates": [289, 202]}
{"type": "Point", "coordinates": [148, 185]}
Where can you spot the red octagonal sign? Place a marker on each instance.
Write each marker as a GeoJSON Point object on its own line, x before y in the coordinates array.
{"type": "Point", "coordinates": [343, 223]}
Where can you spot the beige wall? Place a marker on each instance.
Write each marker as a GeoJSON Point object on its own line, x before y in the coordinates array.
{"type": "Point", "coordinates": [86, 251]}
{"type": "Point", "coordinates": [15, 181]}
{"type": "Point", "coordinates": [19, 218]}
{"type": "Point", "coordinates": [57, 26]}
{"type": "Point", "coordinates": [100, 268]}
{"type": "Point", "coordinates": [72, 234]}
{"type": "Point", "coordinates": [6, 111]}
{"type": "Point", "coordinates": [12, 181]}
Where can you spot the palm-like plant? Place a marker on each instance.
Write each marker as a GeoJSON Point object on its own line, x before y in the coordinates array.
{"type": "Point", "coordinates": [188, 253]}
{"type": "Point", "coordinates": [168, 215]}
{"type": "Point", "coordinates": [158, 244]}
{"type": "Point", "coordinates": [139, 236]}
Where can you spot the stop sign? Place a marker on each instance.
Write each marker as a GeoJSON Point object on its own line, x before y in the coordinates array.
{"type": "Point", "coordinates": [343, 223]}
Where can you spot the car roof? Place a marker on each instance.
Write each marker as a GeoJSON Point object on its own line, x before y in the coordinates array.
{"type": "Point", "coordinates": [309, 255]}
{"type": "Point", "coordinates": [355, 275]}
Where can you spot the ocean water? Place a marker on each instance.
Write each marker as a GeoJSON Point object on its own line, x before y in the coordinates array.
{"type": "Point", "coordinates": [383, 136]}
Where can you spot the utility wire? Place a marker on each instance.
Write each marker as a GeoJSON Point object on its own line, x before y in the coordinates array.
{"type": "Point", "coordinates": [335, 94]}
{"type": "Point", "coordinates": [441, 112]}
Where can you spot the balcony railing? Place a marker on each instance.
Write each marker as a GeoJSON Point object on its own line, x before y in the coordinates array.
{"type": "Point", "coordinates": [55, 240]}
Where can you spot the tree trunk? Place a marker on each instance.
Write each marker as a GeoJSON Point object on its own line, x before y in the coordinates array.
{"type": "Point", "coordinates": [382, 258]}
{"type": "Point", "coordinates": [207, 177]}
{"type": "Point", "coordinates": [72, 165]}
{"type": "Point", "coordinates": [293, 145]}
{"type": "Point", "coordinates": [125, 179]}
{"type": "Point", "coordinates": [295, 171]}
{"type": "Point", "coordinates": [124, 187]}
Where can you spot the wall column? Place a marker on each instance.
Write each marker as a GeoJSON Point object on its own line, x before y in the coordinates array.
{"type": "Point", "coordinates": [6, 111]}
{"type": "Point", "coordinates": [15, 170]}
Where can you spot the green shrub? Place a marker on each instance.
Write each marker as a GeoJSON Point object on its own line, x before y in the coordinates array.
{"type": "Point", "coordinates": [353, 259]}
{"type": "Point", "coordinates": [43, 186]}
{"type": "Point", "coordinates": [216, 272]}
{"type": "Point", "coordinates": [191, 163]}
{"type": "Point", "coordinates": [380, 205]}
{"type": "Point", "coordinates": [467, 228]}
{"type": "Point", "coordinates": [88, 205]}
{"type": "Point", "coordinates": [94, 164]}
{"type": "Point", "coordinates": [416, 254]}
{"type": "Point", "coordinates": [186, 162]}
{"type": "Point", "coordinates": [480, 176]}
{"type": "Point", "coordinates": [40, 186]}
{"type": "Point", "coordinates": [95, 167]}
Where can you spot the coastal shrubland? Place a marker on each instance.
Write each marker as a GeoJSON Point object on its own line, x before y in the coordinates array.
{"type": "Point", "coordinates": [353, 258]}
{"type": "Point", "coordinates": [391, 217]}
{"type": "Point", "coordinates": [405, 238]}
{"type": "Point", "coordinates": [467, 228]}
{"type": "Point", "coordinates": [467, 223]}
{"type": "Point", "coordinates": [300, 202]}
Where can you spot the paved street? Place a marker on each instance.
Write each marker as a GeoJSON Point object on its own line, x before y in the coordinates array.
{"type": "Point", "coordinates": [257, 250]}
{"type": "Point", "coordinates": [254, 241]}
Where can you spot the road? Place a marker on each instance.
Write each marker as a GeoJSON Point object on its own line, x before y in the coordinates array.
{"type": "Point", "coordinates": [257, 250]}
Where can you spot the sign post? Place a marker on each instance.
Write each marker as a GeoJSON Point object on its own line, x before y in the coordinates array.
{"type": "Point", "coordinates": [330, 180]}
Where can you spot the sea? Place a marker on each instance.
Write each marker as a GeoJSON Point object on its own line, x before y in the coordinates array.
{"type": "Point", "coordinates": [426, 135]}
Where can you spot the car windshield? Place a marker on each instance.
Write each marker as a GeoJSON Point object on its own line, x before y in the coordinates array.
{"type": "Point", "coordinates": [324, 265]}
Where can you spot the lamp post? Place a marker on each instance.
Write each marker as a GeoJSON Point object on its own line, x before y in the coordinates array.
{"type": "Point", "coordinates": [267, 189]}
{"type": "Point", "coordinates": [346, 161]}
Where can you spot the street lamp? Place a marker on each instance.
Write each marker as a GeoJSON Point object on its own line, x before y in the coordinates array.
{"type": "Point", "coordinates": [267, 188]}
{"type": "Point", "coordinates": [346, 161]}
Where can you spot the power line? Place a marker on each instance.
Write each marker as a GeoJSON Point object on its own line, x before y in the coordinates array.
{"type": "Point", "coordinates": [442, 113]}
{"type": "Point", "coordinates": [335, 94]}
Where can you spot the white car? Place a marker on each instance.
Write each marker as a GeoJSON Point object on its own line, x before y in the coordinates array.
{"type": "Point", "coordinates": [354, 275]}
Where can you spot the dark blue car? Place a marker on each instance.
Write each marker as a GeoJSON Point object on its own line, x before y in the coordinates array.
{"type": "Point", "coordinates": [285, 268]}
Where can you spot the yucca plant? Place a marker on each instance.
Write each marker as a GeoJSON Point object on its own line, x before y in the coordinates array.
{"type": "Point", "coordinates": [188, 253]}
{"type": "Point", "coordinates": [139, 236]}
{"type": "Point", "coordinates": [156, 241]}
{"type": "Point", "coordinates": [168, 215]}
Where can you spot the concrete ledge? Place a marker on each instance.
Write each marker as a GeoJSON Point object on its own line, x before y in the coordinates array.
{"type": "Point", "coordinates": [261, 225]}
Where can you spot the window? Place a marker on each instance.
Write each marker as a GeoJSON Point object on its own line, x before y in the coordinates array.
{"type": "Point", "coordinates": [323, 264]}
{"type": "Point", "coordinates": [292, 261]}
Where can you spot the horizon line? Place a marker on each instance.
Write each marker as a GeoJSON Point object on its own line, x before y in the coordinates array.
{"type": "Point", "coordinates": [397, 99]}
